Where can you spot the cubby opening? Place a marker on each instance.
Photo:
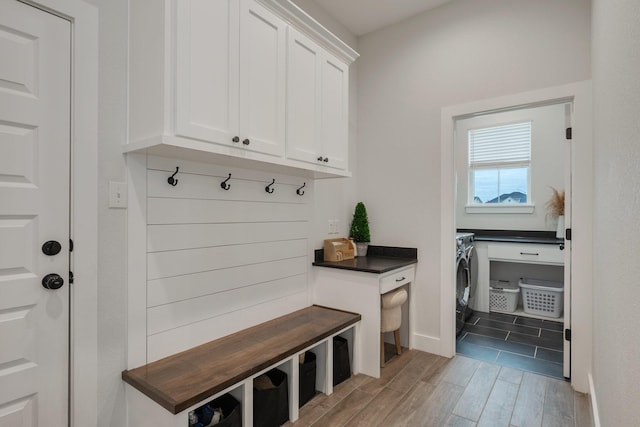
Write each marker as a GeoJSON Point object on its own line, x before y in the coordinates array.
{"type": "Point", "coordinates": [226, 410]}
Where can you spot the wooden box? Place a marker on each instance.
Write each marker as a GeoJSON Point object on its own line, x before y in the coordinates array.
{"type": "Point", "coordinates": [338, 249]}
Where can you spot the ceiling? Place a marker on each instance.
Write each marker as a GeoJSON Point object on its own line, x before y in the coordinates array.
{"type": "Point", "coordinates": [363, 16]}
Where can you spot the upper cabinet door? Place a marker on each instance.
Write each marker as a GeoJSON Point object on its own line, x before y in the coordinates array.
{"type": "Point", "coordinates": [207, 68]}
{"type": "Point", "coordinates": [304, 104]}
{"type": "Point", "coordinates": [335, 112]}
{"type": "Point", "coordinates": [262, 79]}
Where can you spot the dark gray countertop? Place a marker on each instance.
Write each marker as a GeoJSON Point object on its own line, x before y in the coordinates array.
{"type": "Point", "coordinates": [514, 236]}
{"type": "Point", "coordinates": [379, 259]}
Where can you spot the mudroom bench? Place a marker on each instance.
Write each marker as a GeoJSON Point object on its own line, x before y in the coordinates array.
{"type": "Point", "coordinates": [162, 393]}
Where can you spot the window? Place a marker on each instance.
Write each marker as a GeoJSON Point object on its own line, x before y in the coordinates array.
{"type": "Point", "coordinates": [499, 164]}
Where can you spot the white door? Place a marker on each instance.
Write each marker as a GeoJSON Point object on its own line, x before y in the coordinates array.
{"type": "Point", "coordinates": [566, 361]}
{"type": "Point", "coordinates": [263, 47]}
{"type": "Point", "coordinates": [335, 106]}
{"type": "Point", "coordinates": [34, 208]}
{"type": "Point", "coordinates": [207, 70]}
{"type": "Point", "coordinates": [304, 106]}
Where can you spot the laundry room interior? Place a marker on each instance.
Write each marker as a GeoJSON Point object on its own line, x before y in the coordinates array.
{"type": "Point", "coordinates": [510, 251]}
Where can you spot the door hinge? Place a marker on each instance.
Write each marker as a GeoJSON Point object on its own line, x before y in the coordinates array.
{"type": "Point", "coordinates": [567, 234]}
{"type": "Point", "coordinates": [568, 133]}
{"type": "Point", "coordinates": [71, 277]}
{"type": "Point", "coordinates": [567, 334]}
{"type": "Point", "coordinates": [70, 245]}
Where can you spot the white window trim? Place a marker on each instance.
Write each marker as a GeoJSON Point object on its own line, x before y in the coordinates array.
{"type": "Point", "coordinates": [495, 208]}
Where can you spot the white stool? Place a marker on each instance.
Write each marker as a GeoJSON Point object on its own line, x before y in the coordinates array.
{"type": "Point", "coordinates": [391, 318]}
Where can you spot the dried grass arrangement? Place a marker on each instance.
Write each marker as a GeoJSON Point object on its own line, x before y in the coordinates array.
{"type": "Point", "coordinates": [555, 205]}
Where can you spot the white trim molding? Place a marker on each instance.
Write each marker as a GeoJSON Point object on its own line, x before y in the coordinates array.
{"type": "Point", "coordinates": [594, 402]}
{"type": "Point", "coordinates": [84, 206]}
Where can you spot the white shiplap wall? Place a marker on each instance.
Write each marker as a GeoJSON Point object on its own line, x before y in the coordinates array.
{"type": "Point", "coordinates": [220, 261]}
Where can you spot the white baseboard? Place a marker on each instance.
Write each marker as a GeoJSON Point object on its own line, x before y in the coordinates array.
{"type": "Point", "coordinates": [429, 344]}
{"type": "Point", "coordinates": [594, 402]}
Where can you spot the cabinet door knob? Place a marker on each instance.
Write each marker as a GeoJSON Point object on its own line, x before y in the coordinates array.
{"type": "Point", "coordinates": [246, 141]}
{"type": "Point", "coordinates": [326, 160]}
{"type": "Point", "coordinates": [235, 139]}
{"type": "Point", "coordinates": [319, 159]}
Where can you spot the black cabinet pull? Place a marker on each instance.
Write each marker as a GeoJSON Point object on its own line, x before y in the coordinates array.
{"type": "Point", "coordinates": [246, 141]}
{"type": "Point", "coordinates": [319, 159]}
{"type": "Point", "coordinates": [235, 139]}
{"type": "Point", "coordinates": [400, 279]}
{"type": "Point", "coordinates": [326, 160]}
{"type": "Point", "coordinates": [529, 253]}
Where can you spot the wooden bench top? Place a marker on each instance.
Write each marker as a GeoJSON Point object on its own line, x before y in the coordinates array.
{"type": "Point", "coordinates": [184, 379]}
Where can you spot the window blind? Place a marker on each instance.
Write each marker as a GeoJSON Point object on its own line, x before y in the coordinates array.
{"type": "Point", "coordinates": [500, 146]}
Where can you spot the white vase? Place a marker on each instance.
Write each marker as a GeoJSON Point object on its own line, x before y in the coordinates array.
{"type": "Point", "coordinates": [560, 229]}
{"type": "Point", "coordinates": [361, 248]}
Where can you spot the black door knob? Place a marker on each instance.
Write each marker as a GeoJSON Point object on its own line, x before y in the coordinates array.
{"type": "Point", "coordinates": [319, 159]}
{"type": "Point", "coordinates": [326, 160]}
{"type": "Point", "coordinates": [246, 141]}
{"type": "Point", "coordinates": [52, 281]}
{"type": "Point", "coordinates": [236, 139]}
{"type": "Point", "coordinates": [51, 248]}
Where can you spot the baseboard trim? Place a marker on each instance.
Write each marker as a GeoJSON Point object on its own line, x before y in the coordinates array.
{"type": "Point", "coordinates": [429, 344]}
{"type": "Point", "coordinates": [594, 402]}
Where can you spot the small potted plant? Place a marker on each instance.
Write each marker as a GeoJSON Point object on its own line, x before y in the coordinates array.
{"type": "Point", "coordinates": [555, 206]}
{"type": "Point", "coordinates": [360, 229]}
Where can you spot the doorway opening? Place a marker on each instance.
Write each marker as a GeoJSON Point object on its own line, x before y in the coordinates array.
{"type": "Point", "coordinates": [508, 163]}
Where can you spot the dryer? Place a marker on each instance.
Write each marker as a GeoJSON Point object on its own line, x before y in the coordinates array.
{"type": "Point", "coordinates": [466, 277]}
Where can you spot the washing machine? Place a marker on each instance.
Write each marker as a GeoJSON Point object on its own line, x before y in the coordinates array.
{"type": "Point", "coordinates": [466, 277]}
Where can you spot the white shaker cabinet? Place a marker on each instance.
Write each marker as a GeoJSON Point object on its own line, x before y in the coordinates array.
{"type": "Point", "coordinates": [317, 101]}
{"type": "Point", "coordinates": [230, 72]}
{"type": "Point", "coordinates": [210, 81]}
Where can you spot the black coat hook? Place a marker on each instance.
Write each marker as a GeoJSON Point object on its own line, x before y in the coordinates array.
{"type": "Point", "coordinates": [299, 191]}
{"type": "Point", "coordinates": [171, 180]}
{"type": "Point", "coordinates": [224, 184]}
{"type": "Point", "coordinates": [268, 188]}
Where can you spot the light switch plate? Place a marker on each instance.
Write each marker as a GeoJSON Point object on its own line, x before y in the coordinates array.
{"type": "Point", "coordinates": [117, 195]}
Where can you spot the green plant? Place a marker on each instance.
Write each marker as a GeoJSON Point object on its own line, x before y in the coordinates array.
{"type": "Point", "coordinates": [360, 224]}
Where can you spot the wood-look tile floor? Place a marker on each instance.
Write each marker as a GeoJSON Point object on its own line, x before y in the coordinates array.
{"type": "Point", "coordinates": [422, 389]}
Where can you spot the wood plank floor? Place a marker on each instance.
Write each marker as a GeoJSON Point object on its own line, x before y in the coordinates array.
{"type": "Point", "coordinates": [422, 389]}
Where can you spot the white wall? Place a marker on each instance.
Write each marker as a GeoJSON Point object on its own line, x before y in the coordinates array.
{"type": "Point", "coordinates": [616, 291]}
{"type": "Point", "coordinates": [465, 50]}
{"type": "Point", "coordinates": [547, 168]}
{"type": "Point", "coordinates": [112, 250]}
{"type": "Point", "coordinates": [212, 261]}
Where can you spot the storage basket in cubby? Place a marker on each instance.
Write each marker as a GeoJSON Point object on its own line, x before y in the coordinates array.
{"type": "Point", "coordinates": [503, 296]}
{"type": "Point", "coordinates": [542, 297]}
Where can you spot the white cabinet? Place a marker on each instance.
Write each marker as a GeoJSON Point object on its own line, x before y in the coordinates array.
{"type": "Point", "coordinates": [210, 80]}
{"type": "Point", "coordinates": [262, 79]}
{"type": "Point", "coordinates": [230, 73]}
{"type": "Point", "coordinates": [526, 253]}
{"type": "Point", "coordinates": [359, 292]}
{"type": "Point", "coordinates": [512, 261]}
{"type": "Point", "coordinates": [207, 45]}
{"type": "Point", "coordinates": [317, 102]}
